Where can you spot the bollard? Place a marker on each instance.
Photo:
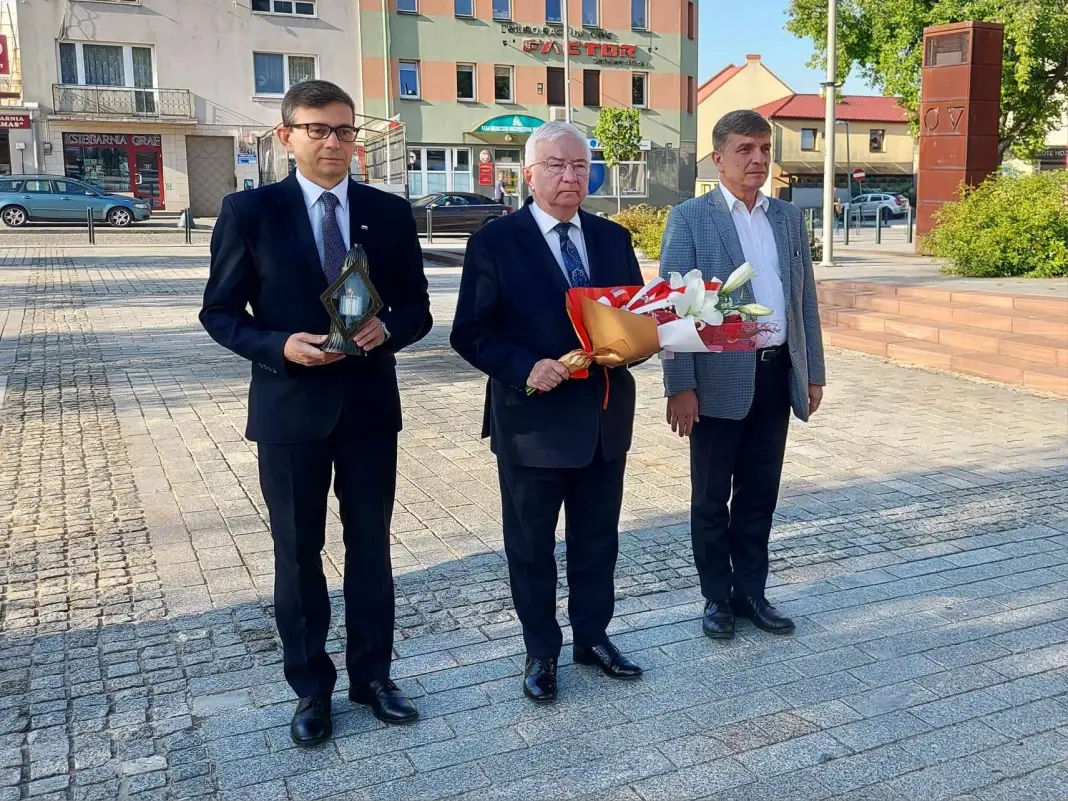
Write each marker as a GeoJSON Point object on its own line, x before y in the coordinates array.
{"type": "Point", "coordinates": [879, 225]}
{"type": "Point", "coordinates": [845, 224]}
{"type": "Point", "coordinates": [908, 219]}
{"type": "Point", "coordinates": [188, 226]}
{"type": "Point", "coordinates": [429, 225]}
{"type": "Point", "coordinates": [92, 224]}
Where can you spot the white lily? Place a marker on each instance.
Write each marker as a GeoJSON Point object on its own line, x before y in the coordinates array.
{"type": "Point", "coordinates": [753, 310]}
{"type": "Point", "coordinates": [739, 278]}
{"type": "Point", "coordinates": [694, 299]}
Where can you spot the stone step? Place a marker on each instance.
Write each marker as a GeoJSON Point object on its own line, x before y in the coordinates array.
{"type": "Point", "coordinates": [1006, 302]}
{"type": "Point", "coordinates": [962, 357]}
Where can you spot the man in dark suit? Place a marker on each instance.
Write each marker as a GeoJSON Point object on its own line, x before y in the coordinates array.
{"type": "Point", "coordinates": [276, 249]}
{"type": "Point", "coordinates": [567, 444]}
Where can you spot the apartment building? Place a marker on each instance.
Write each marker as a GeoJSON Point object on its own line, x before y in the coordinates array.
{"type": "Point", "coordinates": [471, 79]}
{"type": "Point", "coordinates": [163, 99]}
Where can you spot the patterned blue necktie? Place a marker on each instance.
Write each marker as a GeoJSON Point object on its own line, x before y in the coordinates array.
{"type": "Point", "coordinates": [333, 241]}
{"type": "Point", "coordinates": [576, 273]}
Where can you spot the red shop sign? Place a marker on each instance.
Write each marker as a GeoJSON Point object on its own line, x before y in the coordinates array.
{"type": "Point", "coordinates": [592, 49]}
{"type": "Point", "coordinates": [14, 121]}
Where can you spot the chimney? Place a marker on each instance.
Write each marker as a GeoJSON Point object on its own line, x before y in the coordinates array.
{"type": "Point", "coordinates": [752, 58]}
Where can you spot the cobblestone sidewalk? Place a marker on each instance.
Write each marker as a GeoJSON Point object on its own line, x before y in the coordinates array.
{"type": "Point", "coordinates": [921, 544]}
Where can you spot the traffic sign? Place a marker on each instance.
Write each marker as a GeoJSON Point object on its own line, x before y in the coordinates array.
{"type": "Point", "coordinates": [859, 175]}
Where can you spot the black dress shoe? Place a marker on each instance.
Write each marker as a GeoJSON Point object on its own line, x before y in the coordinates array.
{"type": "Point", "coordinates": [718, 621]}
{"type": "Point", "coordinates": [539, 679]}
{"type": "Point", "coordinates": [763, 614]}
{"type": "Point", "coordinates": [608, 658]}
{"type": "Point", "coordinates": [387, 701]}
{"type": "Point", "coordinates": [311, 722]}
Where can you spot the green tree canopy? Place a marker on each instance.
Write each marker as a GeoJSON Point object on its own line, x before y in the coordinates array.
{"type": "Point", "coordinates": [618, 133]}
{"type": "Point", "coordinates": [884, 39]}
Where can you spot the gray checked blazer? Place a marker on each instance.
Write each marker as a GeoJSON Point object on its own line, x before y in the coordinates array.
{"type": "Point", "coordinates": [700, 233]}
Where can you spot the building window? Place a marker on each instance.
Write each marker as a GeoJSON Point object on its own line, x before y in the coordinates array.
{"type": "Point", "coordinates": [590, 16]}
{"type": "Point", "coordinates": [127, 66]}
{"type": "Point", "coordinates": [691, 94]}
{"type": "Point", "coordinates": [591, 87]}
{"type": "Point", "coordinates": [639, 89]}
{"type": "Point", "coordinates": [408, 6]}
{"type": "Point", "coordinates": [639, 15]}
{"type": "Point", "coordinates": [465, 8]}
{"type": "Point", "coordinates": [808, 138]}
{"type": "Point", "coordinates": [461, 169]}
{"type": "Point", "coordinates": [552, 11]}
{"type": "Point", "coordinates": [465, 82]}
{"type": "Point", "coordinates": [502, 84]}
{"type": "Point", "coordinates": [409, 80]}
{"type": "Point", "coordinates": [632, 177]}
{"type": "Point", "coordinates": [691, 20]}
{"type": "Point", "coordinates": [298, 8]}
{"type": "Point", "coordinates": [502, 10]}
{"type": "Point", "coordinates": [554, 81]}
{"type": "Point", "coordinates": [276, 73]}
{"type": "Point", "coordinates": [877, 140]}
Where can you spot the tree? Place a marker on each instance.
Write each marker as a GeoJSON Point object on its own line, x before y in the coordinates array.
{"type": "Point", "coordinates": [618, 132]}
{"type": "Point", "coordinates": [884, 38]}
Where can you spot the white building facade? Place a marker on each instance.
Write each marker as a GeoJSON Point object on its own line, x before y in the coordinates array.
{"type": "Point", "coordinates": [164, 99]}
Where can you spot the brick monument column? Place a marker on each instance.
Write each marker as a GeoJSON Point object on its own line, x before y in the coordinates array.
{"type": "Point", "coordinates": [960, 105]}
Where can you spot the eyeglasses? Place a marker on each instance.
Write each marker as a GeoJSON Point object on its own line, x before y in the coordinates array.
{"type": "Point", "coordinates": [558, 167]}
{"type": "Point", "coordinates": [318, 130]}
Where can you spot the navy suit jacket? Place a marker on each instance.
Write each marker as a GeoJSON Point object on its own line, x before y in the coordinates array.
{"type": "Point", "coordinates": [511, 314]}
{"type": "Point", "coordinates": [263, 256]}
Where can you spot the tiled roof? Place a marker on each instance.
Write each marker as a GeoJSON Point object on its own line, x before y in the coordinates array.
{"type": "Point", "coordinates": [716, 81]}
{"type": "Point", "coordinates": [864, 108]}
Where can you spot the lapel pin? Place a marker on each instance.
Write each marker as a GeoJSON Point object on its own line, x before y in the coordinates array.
{"type": "Point", "coordinates": [363, 227]}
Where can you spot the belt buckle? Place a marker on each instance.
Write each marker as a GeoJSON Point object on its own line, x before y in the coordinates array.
{"type": "Point", "coordinates": [768, 354]}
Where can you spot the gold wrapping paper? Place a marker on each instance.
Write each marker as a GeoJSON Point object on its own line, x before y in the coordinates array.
{"type": "Point", "coordinates": [618, 337]}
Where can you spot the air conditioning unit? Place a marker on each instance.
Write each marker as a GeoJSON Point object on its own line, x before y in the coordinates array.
{"type": "Point", "coordinates": [557, 114]}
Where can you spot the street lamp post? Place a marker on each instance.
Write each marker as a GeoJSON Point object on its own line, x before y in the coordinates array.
{"type": "Point", "coordinates": [567, 60]}
{"type": "Point", "coordinates": [829, 87]}
{"type": "Point", "coordinates": [849, 163]}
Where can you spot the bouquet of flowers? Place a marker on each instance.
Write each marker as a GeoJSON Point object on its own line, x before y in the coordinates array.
{"type": "Point", "coordinates": [680, 314]}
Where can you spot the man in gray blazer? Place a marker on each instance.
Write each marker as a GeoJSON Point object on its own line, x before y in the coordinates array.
{"type": "Point", "coordinates": [735, 407]}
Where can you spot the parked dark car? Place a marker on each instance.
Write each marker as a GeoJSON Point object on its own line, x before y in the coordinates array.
{"type": "Point", "coordinates": [456, 212]}
{"type": "Point", "coordinates": [54, 198]}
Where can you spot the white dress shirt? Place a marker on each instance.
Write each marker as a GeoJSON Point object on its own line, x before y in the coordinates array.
{"type": "Point", "coordinates": [758, 247]}
{"type": "Point", "coordinates": [313, 202]}
{"type": "Point", "coordinates": [546, 222]}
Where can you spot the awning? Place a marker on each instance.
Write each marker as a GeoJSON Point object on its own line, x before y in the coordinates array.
{"type": "Point", "coordinates": [841, 167]}
{"type": "Point", "coordinates": [508, 129]}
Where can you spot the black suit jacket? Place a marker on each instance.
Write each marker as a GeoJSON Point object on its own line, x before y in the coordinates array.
{"type": "Point", "coordinates": [263, 256]}
{"type": "Point", "coordinates": [511, 315]}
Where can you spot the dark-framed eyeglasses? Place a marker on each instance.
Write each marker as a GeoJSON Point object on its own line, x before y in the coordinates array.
{"type": "Point", "coordinates": [559, 167]}
{"type": "Point", "coordinates": [319, 130]}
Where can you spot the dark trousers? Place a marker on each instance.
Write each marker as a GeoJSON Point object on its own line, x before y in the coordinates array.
{"type": "Point", "coordinates": [531, 499]}
{"type": "Point", "coordinates": [295, 480]}
{"type": "Point", "coordinates": [739, 462]}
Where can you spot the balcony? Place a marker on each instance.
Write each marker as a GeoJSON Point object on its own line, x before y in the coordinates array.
{"type": "Point", "coordinates": [121, 102]}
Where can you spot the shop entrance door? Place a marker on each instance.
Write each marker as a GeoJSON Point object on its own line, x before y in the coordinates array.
{"type": "Point", "coordinates": [146, 172]}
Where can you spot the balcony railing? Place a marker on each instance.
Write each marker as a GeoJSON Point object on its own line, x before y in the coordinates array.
{"type": "Point", "coordinates": [122, 101]}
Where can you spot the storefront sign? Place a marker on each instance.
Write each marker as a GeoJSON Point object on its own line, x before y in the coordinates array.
{"type": "Point", "coordinates": [14, 121]}
{"type": "Point", "coordinates": [485, 168]}
{"type": "Point", "coordinates": [111, 140]}
{"type": "Point", "coordinates": [557, 32]}
{"type": "Point", "coordinates": [511, 124]}
{"type": "Point", "coordinates": [5, 60]}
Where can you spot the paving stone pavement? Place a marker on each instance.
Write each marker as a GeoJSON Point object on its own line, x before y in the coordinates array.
{"type": "Point", "coordinates": [921, 544]}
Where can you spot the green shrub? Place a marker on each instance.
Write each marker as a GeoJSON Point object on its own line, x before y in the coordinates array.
{"type": "Point", "coordinates": [1007, 226]}
{"type": "Point", "coordinates": [647, 239]}
{"type": "Point", "coordinates": [634, 218]}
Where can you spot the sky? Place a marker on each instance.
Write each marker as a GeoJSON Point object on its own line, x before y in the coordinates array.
{"type": "Point", "coordinates": [731, 28]}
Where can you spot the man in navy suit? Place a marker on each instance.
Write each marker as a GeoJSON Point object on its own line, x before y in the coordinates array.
{"type": "Point", "coordinates": [275, 250]}
{"type": "Point", "coordinates": [566, 445]}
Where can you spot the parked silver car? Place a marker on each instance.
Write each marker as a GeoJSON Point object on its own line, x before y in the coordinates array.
{"type": "Point", "coordinates": [55, 198]}
{"type": "Point", "coordinates": [867, 206]}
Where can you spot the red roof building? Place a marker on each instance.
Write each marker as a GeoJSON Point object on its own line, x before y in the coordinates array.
{"type": "Point", "coordinates": [859, 108]}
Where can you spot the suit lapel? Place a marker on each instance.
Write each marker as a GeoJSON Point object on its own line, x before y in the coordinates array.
{"type": "Point", "coordinates": [534, 243]}
{"type": "Point", "coordinates": [728, 234]}
{"type": "Point", "coordinates": [358, 219]}
{"type": "Point", "coordinates": [295, 216]}
{"type": "Point", "coordinates": [777, 218]}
